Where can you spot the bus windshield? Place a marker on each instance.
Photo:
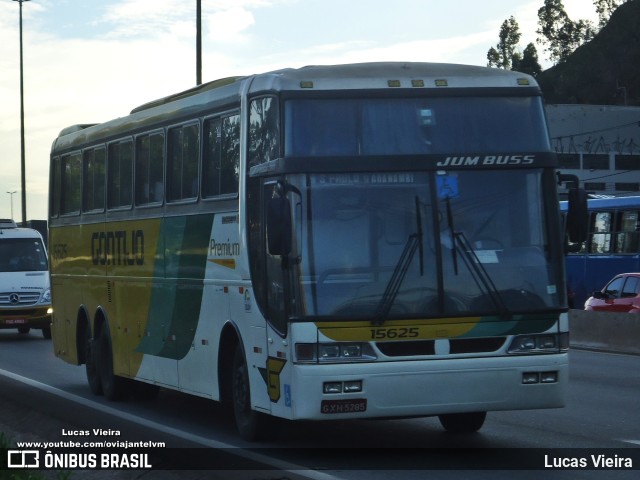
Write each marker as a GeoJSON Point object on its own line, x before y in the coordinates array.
{"type": "Point", "coordinates": [403, 244]}
{"type": "Point", "coordinates": [405, 126]}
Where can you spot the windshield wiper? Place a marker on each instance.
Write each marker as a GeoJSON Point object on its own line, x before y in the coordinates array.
{"type": "Point", "coordinates": [414, 242]}
{"type": "Point", "coordinates": [473, 264]}
{"type": "Point", "coordinates": [419, 234]}
{"type": "Point", "coordinates": [454, 250]}
{"type": "Point", "coordinates": [480, 274]}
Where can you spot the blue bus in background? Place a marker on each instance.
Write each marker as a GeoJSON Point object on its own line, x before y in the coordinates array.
{"type": "Point", "coordinates": [612, 246]}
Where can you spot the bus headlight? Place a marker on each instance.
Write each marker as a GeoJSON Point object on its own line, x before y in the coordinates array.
{"type": "Point", "coordinates": [540, 343]}
{"type": "Point", "coordinates": [336, 352]}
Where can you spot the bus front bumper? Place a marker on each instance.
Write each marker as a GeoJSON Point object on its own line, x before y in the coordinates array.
{"type": "Point", "coordinates": [428, 387]}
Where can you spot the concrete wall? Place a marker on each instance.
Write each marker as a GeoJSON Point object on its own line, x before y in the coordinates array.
{"type": "Point", "coordinates": [611, 332]}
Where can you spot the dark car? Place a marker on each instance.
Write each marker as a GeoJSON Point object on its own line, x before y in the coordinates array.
{"type": "Point", "coordinates": [621, 294]}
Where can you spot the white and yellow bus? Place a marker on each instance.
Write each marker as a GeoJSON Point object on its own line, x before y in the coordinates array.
{"type": "Point", "coordinates": [330, 242]}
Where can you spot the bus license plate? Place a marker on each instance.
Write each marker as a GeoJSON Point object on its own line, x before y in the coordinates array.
{"type": "Point", "coordinates": [357, 405]}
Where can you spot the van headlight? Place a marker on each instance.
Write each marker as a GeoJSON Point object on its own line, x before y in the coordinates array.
{"type": "Point", "coordinates": [46, 296]}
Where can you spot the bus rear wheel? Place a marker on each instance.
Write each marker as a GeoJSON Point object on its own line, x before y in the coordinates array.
{"type": "Point", "coordinates": [251, 425]}
{"type": "Point", "coordinates": [113, 386]}
{"type": "Point", "coordinates": [91, 363]}
{"type": "Point", "coordinates": [469, 422]}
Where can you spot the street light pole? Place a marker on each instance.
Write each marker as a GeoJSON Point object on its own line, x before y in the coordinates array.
{"type": "Point", "coordinates": [22, 155]}
{"type": "Point", "coordinates": [11, 193]}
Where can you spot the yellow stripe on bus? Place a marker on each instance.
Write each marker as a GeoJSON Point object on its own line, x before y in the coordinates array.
{"type": "Point", "coordinates": [224, 262]}
{"type": "Point", "coordinates": [398, 330]}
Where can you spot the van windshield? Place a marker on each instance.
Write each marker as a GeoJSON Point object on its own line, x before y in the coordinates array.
{"type": "Point", "coordinates": [22, 255]}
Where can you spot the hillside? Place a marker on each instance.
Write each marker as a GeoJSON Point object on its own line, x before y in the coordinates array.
{"type": "Point", "coordinates": [596, 70]}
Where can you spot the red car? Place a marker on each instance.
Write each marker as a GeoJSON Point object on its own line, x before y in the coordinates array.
{"type": "Point", "coordinates": [621, 294]}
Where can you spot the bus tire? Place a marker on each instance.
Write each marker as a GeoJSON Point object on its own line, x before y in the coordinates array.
{"type": "Point", "coordinates": [251, 425]}
{"type": "Point", "coordinates": [46, 333]}
{"type": "Point", "coordinates": [91, 363]}
{"type": "Point", "coordinates": [469, 422]}
{"type": "Point", "coordinates": [114, 387]}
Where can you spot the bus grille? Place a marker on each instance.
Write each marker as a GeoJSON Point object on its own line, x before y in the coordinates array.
{"type": "Point", "coordinates": [427, 347]}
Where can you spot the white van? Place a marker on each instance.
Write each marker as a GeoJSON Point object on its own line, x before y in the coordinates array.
{"type": "Point", "coordinates": [25, 295]}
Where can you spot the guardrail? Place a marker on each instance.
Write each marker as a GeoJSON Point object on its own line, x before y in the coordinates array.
{"type": "Point", "coordinates": [605, 331]}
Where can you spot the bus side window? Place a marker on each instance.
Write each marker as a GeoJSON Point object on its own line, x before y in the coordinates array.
{"type": "Point", "coordinates": [119, 174]}
{"type": "Point", "coordinates": [627, 232]}
{"type": "Point", "coordinates": [54, 188]}
{"type": "Point", "coordinates": [264, 131]}
{"type": "Point", "coordinates": [221, 156]}
{"type": "Point", "coordinates": [93, 172]}
{"type": "Point", "coordinates": [70, 180]}
{"type": "Point", "coordinates": [148, 165]}
{"type": "Point", "coordinates": [182, 162]}
{"type": "Point", "coordinates": [601, 232]}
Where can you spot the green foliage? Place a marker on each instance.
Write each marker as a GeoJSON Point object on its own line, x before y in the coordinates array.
{"type": "Point", "coordinates": [529, 62]}
{"type": "Point", "coordinates": [502, 56]}
{"type": "Point", "coordinates": [605, 71]}
{"type": "Point", "coordinates": [559, 33]}
{"type": "Point", "coordinates": [595, 65]}
{"type": "Point", "coordinates": [604, 9]}
{"type": "Point", "coordinates": [505, 54]}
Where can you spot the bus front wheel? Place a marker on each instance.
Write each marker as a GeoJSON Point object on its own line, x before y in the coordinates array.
{"type": "Point", "coordinates": [251, 425]}
{"type": "Point", "coordinates": [469, 422]}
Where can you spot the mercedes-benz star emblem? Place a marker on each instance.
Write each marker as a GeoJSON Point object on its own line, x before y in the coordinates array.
{"type": "Point", "coordinates": [14, 298]}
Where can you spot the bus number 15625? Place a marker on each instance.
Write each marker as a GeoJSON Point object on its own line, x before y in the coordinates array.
{"type": "Point", "coordinates": [395, 332]}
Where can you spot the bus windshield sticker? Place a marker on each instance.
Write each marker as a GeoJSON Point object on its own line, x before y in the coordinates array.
{"type": "Point", "coordinates": [427, 119]}
{"type": "Point", "coordinates": [447, 186]}
{"type": "Point", "coordinates": [486, 256]}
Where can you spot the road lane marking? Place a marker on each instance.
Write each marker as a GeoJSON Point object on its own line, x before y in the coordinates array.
{"type": "Point", "coordinates": [635, 442]}
{"type": "Point", "coordinates": [239, 451]}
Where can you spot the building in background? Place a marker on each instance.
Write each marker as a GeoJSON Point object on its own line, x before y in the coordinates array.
{"type": "Point", "coordinates": [600, 144]}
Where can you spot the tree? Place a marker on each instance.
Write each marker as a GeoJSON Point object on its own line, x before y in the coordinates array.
{"type": "Point", "coordinates": [605, 8]}
{"type": "Point", "coordinates": [529, 62]}
{"type": "Point", "coordinates": [505, 54]}
{"type": "Point", "coordinates": [561, 35]}
{"type": "Point", "coordinates": [502, 55]}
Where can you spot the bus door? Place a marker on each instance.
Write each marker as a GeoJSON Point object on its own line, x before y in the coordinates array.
{"type": "Point", "coordinates": [279, 206]}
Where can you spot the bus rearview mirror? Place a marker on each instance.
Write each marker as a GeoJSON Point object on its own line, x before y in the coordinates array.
{"type": "Point", "coordinates": [279, 230]}
{"type": "Point", "coordinates": [577, 215]}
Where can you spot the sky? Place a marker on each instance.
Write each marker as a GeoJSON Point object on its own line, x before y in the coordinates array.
{"type": "Point", "coordinates": [88, 61]}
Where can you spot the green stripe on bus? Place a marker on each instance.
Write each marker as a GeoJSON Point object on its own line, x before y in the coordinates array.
{"type": "Point", "coordinates": [518, 324]}
{"type": "Point", "coordinates": [175, 304]}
